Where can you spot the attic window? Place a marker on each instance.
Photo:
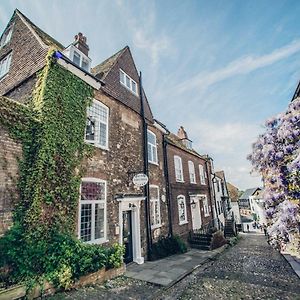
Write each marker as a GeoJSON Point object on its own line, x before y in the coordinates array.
{"type": "Point", "coordinates": [81, 61]}
{"type": "Point", "coordinates": [6, 37]}
{"type": "Point", "coordinates": [128, 82]}
{"type": "Point", "coordinates": [4, 65]}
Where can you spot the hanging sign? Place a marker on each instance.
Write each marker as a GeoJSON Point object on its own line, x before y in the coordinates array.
{"type": "Point", "coordinates": [140, 179]}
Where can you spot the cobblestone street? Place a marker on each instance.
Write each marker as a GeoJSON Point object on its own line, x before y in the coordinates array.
{"type": "Point", "coordinates": [249, 270]}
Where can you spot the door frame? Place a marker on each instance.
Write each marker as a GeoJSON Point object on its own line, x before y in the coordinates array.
{"type": "Point", "coordinates": [132, 204]}
{"type": "Point", "coordinates": [197, 208]}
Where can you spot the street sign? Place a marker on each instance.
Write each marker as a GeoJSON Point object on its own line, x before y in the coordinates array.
{"type": "Point", "coordinates": [140, 179]}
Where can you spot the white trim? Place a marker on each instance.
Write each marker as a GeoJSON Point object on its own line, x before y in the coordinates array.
{"type": "Point", "coordinates": [7, 59]}
{"type": "Point", "coordinates": [96, 141]}
{"type": "Point", "coordinates": [124, 205]}
{"type": "Point", "coordinates": [159, 127]}
{"type": "Point", "coordinates": [7, 33]}
{"type": "Point", "coordinates": [180, 169]}
{"type": "Point", "coordinates": [158, 201]}
{"type": "Point", "coordinates": [79, 73]}
{"type": "Point", "coordinates": [93, 202]}
{"type": "Point", "coordinates": [201, 173]}
{"type": "Point", "coordinates": [153, 148]}
{"type": "Point", "coordinates": [131, 80]}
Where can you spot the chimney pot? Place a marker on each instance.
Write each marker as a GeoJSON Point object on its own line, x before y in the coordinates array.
{"type": "Point", "coordinates": [80, 43]}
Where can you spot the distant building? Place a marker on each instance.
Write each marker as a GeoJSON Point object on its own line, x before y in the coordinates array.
{"type": "Point", "coordinates": [234, 197]}
{"type": "Point", "coordinates": [246, 204]}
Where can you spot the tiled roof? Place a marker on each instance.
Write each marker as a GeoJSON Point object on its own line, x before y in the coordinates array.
{"type": "Point", "coordinates": [46, 38]}
{"type": "Point", "coordinates": [249, 192]}
{"type": "Point", "coordinates": [173, 139]}
{"type": "Point", "coordinates": [233, 192]}
{"type": "Point", "coordinates": [103, 69]}
{"type": "Point", "coordinates": [220, 174]}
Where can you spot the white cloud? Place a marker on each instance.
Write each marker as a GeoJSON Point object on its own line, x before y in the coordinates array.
{"type": "Point", "coordinates": [239, 66]}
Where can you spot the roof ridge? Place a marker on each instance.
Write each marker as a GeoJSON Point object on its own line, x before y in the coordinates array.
{"type": "Point", "coordinates": [42, 36]}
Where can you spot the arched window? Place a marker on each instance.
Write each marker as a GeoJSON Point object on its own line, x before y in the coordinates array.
{"type": "Point", "coordinates": [182, 210]}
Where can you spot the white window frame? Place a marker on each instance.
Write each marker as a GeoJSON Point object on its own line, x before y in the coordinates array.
{"type": "Point", "coordinates": [94, 202]}
{"type": "Point", "coordinates": [192, 172]}
{"type": "Point", "coordinates": [158, 204]}
{"type": "Point", "coordinates": [178, 171]}
{"type": "Point", "coordinates": [153, 149]}
{"type": "Point", "coordinates": [97, 120]}
{"type": "Point", "coordinates": [205, 205]}
{"type": "Point", "coordinates": [6, 37]}
{"type": "Point", "coordinates": [82, 57]}
{"type": "Point", "coordinates": [5, 65]}
{"type": "Point", "coordinates": [201, 173]}
{"type": "Point", "coordinates": [179, 199]}
{"type": "Point", "coordinates": [130, 88]}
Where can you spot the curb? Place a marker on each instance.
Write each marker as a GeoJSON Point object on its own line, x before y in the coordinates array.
{"type": "Point", "coordinates": [293, 263]}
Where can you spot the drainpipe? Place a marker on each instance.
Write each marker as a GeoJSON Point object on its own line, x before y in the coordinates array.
{"type": "Point", "coordinates": [146, 171]}
{"type": "Point", "coordinates": [168, 190]}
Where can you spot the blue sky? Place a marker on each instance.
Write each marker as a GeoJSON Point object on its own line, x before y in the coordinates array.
{"type": "Point", "coordinates": [219, 68]}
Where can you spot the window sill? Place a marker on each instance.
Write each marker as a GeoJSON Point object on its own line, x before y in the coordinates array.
{"type": "Point", "coordinates": [193, 182]}
{"type": "Point", "coordinates": [156, 226]}
{"type": "Point", "coordinates": [182, 181]}
{"type": "Point", "coordinates": [153, 163]}
{"type": "Point", "coordinates": [99, 241]}
{"type": "Point", "coordinates": [97, 146]}
{"type": "Point", "coordinates": [183, 223]}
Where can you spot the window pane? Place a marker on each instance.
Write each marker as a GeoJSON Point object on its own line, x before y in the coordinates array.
{"type": "Point", "coordinates": [133, 86]}
{"type": "Point", "coordinates": [76, 58]}
{"type": "Point", "coordinates": [85, 64]}
{"type": "Point", "coordinates": [128, 82]}
{"type": "Point", "coordinates": [102, 135]}
{"type": "Point", "coordinates": [150, 158]}
{"type": "Point", "coordinates": [151, 138]}
{"type": "Point", "coordinates": [90, 129]}
{"type": "Point", "coordinates": [99, 221]}
{"type": "Point", "coordinates": [92, 190]}
{"type": "Point", "coordinates": [122, 77]}
{"type": "Point", "coordinates": [86, 222]}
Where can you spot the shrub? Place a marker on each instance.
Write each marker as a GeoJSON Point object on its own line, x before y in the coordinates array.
{"type": "Point", "coordinates": [218, 240]}
{"type": "Point", "coordinates": [166, 246]}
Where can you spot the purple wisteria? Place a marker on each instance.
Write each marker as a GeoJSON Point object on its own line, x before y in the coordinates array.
{"type": "Point", "coordinates": [276, 156]}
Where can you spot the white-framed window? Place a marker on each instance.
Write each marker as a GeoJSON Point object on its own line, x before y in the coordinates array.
{"type": "Point", "coordinates": [205, 205]}
{"type": "Point", "coordinates": [92, 211]}
{"type": "Point", "coordinates": [81, 60]}
{"type": "Point", "coordinates": [178, 168]}
{"type": "Point", "coordinates": [6, 37]}
{"type": "Point", "coordinates": [201, 172]}
{"type": "Point", "coordinates": [152, 147]}
{"type": "Point", "coordinates": [192, 172]}
{"type": "Point", "coordinates": [96, 131]}
{"type": "Point", "coordinates": [5, 64]}
{"type": "Point", "coordinates": [155, 206]}
{"type": "Point", "coordinates": [128, 82]}
{"type": "Point", "coordinates": [182, 210]}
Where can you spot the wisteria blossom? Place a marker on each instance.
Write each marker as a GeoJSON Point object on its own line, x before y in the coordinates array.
{"type": "Point", "coordinates": [276, 156]}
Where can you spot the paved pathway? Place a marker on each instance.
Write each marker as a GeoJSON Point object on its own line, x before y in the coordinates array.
{"type": "Point", "coordinates": [250, 270]}
{"type": "Point", "coordinates": [167, 271]}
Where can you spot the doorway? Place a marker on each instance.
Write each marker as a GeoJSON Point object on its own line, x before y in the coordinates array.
{"type": "Point", "coordinates": [196, 214]}
{"type": "Point", "coordinates": [127, 236]}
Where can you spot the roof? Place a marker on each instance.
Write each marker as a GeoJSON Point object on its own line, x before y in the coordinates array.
{"type": "Point", "coordinates": [46, 38]}
{"type": "Point", "coordinates": [103, 68]}
{"type": "Point", "coordinates": [249, 192]}
{"type": "Point", "coordinates": [174, 140]}
{"type": "Point", "coordinates": [220, 174]}
{"type": "Point", "coordinates": [233, 192]}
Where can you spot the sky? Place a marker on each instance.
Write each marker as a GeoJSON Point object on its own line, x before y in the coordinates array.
{"type": "Point", "coordinates": [218, 68]}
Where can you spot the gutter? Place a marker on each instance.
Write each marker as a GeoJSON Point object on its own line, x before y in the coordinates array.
{"type": "Point", "coordinates": [146, 171]}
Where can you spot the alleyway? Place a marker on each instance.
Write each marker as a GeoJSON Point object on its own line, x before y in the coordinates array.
{"type": "Point", "coordinates": [249, 270]}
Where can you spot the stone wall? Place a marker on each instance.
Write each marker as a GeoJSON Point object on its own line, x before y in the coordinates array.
{"type": "Point", "coordinates": [10, 153]}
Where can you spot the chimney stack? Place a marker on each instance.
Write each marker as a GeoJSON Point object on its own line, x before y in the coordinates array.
{"type": "Point", "coordinates": [181, 133]}
{"type": "Point", "coordinates": [80, 43]}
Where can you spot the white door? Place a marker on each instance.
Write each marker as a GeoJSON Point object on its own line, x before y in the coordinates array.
{"type": "Point", "coordinates": [196, 215]}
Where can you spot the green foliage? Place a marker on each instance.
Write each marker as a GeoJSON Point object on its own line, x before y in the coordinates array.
{"type": "Point", "coordinates": [166, 246]}
{"type": "Point", "coordinates": [41, 244]}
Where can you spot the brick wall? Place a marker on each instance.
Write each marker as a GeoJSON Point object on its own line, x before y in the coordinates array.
{"type": "Point", "coordinates": [186, 188]}
{"type": "Point", "coordinates": [10, 152]}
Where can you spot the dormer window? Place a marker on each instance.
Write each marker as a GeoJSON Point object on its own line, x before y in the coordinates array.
{"type": "Point", "coordinates": [78, 58]}
{"type": "Point", "coordinates": [188, 143]}
{"type": "Point", "coordinates": [128, 82]}
{"type": "Point", "coordinates": [6, 37]}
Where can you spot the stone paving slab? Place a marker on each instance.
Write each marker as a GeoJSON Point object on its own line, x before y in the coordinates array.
{"type": "Point", "coordinates": [167, 271]}
{"type": "Point", "coordinates": [294, 262]}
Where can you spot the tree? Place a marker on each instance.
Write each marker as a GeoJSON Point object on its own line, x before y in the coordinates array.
{"type": "Point", "coordinates": [276, 156]}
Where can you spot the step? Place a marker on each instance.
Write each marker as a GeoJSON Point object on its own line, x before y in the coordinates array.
{"type": "Point", "coordinates": [201, 247]}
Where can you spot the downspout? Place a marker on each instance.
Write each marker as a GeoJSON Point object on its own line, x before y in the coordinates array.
{"type": "Point", "coordinates": [168, 193]}
{"type": "Point", "coordinates": [146, 171]}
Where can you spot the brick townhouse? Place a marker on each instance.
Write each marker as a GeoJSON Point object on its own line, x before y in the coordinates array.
{"type": "Point", "coordinates": [120, 126]}
{"type": "Point", "coordinates": [189, 173]}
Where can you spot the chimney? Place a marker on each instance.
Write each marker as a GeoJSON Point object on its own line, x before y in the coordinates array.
{"type": "Point", "coordinates": [181, 133]}
{"type": "Point", "coordinates": [80, 43]}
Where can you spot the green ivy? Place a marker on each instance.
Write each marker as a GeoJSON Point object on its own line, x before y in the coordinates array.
{"type": "Point", "coordinates": [41, 242]}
